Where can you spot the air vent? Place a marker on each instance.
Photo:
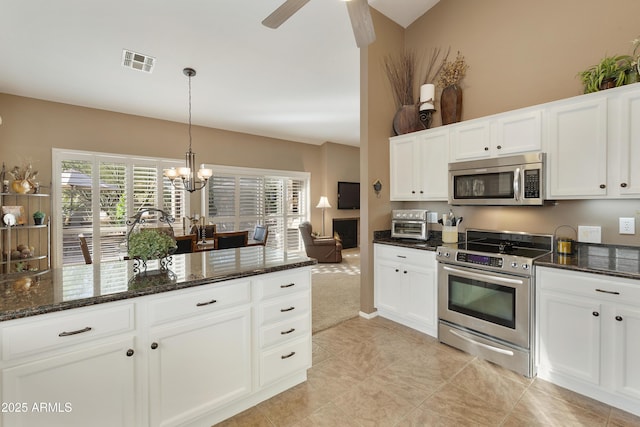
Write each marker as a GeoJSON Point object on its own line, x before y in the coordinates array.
{"type": "Point", "coordinates": [137, 61]}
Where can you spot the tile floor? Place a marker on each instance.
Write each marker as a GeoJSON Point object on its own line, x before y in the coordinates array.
{"type": "Point", "coordinates": [379, 373]}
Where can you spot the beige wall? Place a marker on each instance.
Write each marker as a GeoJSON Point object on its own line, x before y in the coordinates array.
{"type": "Point", "coordinates": [31, 128]}
{"type": "Point", "coordinates": [519, 54]}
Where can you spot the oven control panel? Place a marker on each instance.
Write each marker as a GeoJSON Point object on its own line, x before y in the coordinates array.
{"type": "Point", "coordinates": [490, 261]}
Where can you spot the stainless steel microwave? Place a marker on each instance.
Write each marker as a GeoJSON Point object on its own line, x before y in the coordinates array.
{"type": "Point", "coordinates": [515, 180]}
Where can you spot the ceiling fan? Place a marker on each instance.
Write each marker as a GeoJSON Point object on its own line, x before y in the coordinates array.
{"type": "Point", "coordinates": [358, 13]}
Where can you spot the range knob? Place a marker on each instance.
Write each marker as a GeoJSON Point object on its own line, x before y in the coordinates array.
{"type": "Point", "coordinates": [447, 255]}
{"type": "Point", "coordinates": [525, 266]}
{"type": "Point", "coordinates": [514, 264]}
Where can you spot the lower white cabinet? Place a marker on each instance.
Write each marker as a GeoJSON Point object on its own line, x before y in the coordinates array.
{"type": "Point", "coordinates": [588, 336]}
{"type": "Point", "coordinates": [188, 357]}
{"type": "Point", "coordinates": [198, 365]}
{"type": "Point", "coordinates": [406, 287]}
{"type": "Point", "coordinates": [93, 385]}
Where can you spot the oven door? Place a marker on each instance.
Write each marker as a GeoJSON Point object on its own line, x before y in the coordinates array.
{"type": "Point", "coordinates": [409, 229]}
{"type": "Point", "coordinates": [494, 304]}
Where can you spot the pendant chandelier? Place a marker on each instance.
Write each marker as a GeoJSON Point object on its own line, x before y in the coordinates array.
{"type": "Point", "coordinates": [187, 175]}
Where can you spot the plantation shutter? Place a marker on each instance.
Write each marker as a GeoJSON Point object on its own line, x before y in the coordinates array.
{"type": "Point", "coordinates": [222, 202]}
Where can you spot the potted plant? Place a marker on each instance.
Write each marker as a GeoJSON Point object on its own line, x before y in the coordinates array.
{"type": "Point", "coordinates": [610, 72]}
{"type": "Point", "coordinates": [38, 217]}
{"type": "Point", "coordinates": [150, 244]}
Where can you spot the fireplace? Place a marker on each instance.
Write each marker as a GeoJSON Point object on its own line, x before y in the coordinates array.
{"type": "Point", "coordinates": [347, 230]}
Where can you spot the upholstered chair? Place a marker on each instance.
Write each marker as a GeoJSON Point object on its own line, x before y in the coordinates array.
{"type": "Point", "coordinates": [324, 249]}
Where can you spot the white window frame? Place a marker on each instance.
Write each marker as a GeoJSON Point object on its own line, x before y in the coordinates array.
{"type": "Point", "coordinates": [257, 172]}
{"type": "Point", "coordinates": [60, 155]}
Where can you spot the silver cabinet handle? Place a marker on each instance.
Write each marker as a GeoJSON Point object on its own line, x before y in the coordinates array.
{"type": "Point", "coordinates": [79, 331]}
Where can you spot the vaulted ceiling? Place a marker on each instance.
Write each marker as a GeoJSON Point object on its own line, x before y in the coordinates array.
{"type": "Point", "coordinates": [299, 82]}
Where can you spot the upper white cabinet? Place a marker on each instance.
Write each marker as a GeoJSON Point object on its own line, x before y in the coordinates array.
{"type": "Point", "coordinates": [418, 163]}
{"type": "Point", "coordinates": [577, 149]}
{"type": "Point", "coordinates": [504, 134]}
{"type": "Point", "coordinates": [593, 142]}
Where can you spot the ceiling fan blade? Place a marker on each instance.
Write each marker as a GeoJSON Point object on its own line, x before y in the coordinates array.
{"type": "Point", "coordinates": [284, 12]}
{"type": "Point", "coordinates": [361, 22]}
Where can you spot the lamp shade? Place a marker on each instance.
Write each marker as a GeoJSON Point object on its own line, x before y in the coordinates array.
{"type": "Point", "coordinates": [323, 203]}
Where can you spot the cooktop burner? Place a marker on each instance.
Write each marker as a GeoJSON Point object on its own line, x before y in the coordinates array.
{"type": "Point", "coordinates": [497, 250]}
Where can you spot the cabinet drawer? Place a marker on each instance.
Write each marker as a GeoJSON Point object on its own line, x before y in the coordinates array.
{"type": "Point", "coordinates": [613, 289]}
{"type": "Point", "coordinates": [284, 308]}
{"type": "Point", "coordinates": [51, 331]}
{"type": "Point", "coordinates": [404, 255]}
{"type": "Point", "coordinates": [183, 303]}
{"type": "Point", "coordinates": [285, 360]}
{"type": "Point", "coordinates": [284, 331]}
{"type": "Point", "coordinates": [275, 284]}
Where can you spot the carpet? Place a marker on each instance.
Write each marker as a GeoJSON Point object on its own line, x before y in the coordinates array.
{"type": "Point", "coordinates": [335, 291]}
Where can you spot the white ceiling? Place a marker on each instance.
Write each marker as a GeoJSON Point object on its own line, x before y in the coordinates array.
{"type": "Point", "coordinates": [299, 82]}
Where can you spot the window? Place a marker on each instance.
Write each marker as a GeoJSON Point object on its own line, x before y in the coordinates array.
{"type": "Point", "coordinates": [241, 198]}
{"type": "Point", "coordinates": [97, 193]}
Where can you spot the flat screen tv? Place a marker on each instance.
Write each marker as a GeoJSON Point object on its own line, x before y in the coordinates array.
{"type": "Point", "coordinates": [348, 195]}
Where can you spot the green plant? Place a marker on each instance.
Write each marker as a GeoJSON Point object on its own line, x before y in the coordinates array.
{"type": "Point", "coordinates": [609, 68]}
{"type": "Point", "coordinates": [150, 244]}
{"type": "Point", "coordinates": [38, 214]}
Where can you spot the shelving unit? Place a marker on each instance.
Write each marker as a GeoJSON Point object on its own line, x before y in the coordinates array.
{"type": "Point", "coordinates": [36, 236]}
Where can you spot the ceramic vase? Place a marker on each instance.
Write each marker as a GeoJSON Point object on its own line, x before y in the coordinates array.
{"type": "Point", "coordinates": [451, 104]}
{"type": "Point", "coordinates": [407, 120]}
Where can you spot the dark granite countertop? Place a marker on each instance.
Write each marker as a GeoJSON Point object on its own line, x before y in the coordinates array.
{"type": "Point", "coordinates": [610, 260]}
{"type": "Point", "coordinates": [33, 293]}
{"type": "Point", "coordinates": [435, 240]}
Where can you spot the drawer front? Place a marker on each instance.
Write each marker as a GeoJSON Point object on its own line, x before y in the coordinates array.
{"type": "Point", "coordinates": [285, 360]}
{"type": "Point", "coordinates": [283, 309]}
{"type": "Point", "coordinates": [184, 303]}
{"type": "Point", "coordinates": [283, 283]}
{"type": "Point", "coordinates": [285, 331]}
{"type": "Point", "coordinates": [24, 337]}
{"type": "Point", "coordinates": [404, 255]}
{"type": "Point", "coordinates": [614, 289]}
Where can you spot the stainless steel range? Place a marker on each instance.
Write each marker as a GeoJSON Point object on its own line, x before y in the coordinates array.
{"type": "Point", "coordinates": [486, 295]}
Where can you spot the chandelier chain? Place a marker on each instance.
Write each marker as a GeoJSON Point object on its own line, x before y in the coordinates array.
{"type": "Point", "coordinates": [189, 112]}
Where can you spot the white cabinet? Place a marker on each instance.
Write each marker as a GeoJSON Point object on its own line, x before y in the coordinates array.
{"type": "Point", "coordinates": [593, 145]}
{"type": "Point", "coordinates": [192, 356]}
{"type": "Point", "coordinates": [406, 286]}
{"type": "Point", "coordinates": [587, 340]}
{"type": "Point", "coordinates": [72, 369]}
{"type": "Point", "coordinates": [577, 148]}
{"type": "Point", "coordinates": [199, 350]}
{"type": "Point", "coordinates": [284, 324]}
{"type": "Point", "coordinates": [505, 134]}
{"type": "Point", "coordinates": [418, 165]}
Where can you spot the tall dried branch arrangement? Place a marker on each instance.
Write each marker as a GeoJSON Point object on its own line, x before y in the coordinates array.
{"type": "Point", "coordinates": [430, 75]}
{"type": "Point", "coordinates": [400, 69]}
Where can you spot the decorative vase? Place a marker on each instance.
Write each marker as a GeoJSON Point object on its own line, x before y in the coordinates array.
{"type": "Point", "coordinates": [608, 83]}
{"type": "Point", "coordinates": [20, 186]}
{"type": "Point", "coordinates": [451, 104]}
{"type": "Point", "coordinates": [38, 221]}
{"type": "Point", "coordinates": [407, 120]}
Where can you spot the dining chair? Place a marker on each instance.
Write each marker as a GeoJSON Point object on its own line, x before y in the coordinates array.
{"type": "Point", "coordinates": [260, 235]}
{"type": "Point", "coordinates": [186, 244]}
{"type": "Point", "coordinates": [232, 239]}
{"type": "Point", "coordinates": [84, 247]}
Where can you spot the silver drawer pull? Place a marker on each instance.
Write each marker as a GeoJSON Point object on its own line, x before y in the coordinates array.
{"type": "Point", "coordinates": [604, 291]}
{"type": "Point", "coordinates": [286, 356]}
{"type": "Point", "coordinates": [282, 310]}
{"type": "Point", "coordinates": [287, 332]}
{"type": "Point", "coordinates": [200, 304]}
{"type": "Point", "coordinates": [287, 286]}
{"type": "Point", "coordinates": [79, 331]}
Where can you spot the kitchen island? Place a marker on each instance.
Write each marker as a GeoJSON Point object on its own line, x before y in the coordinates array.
{"type": "Point", "coordinates": [96, 344]}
